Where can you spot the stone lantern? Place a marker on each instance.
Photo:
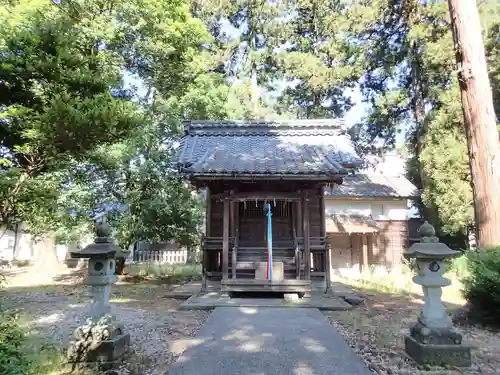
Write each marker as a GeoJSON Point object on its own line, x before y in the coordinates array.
{"type": "Point", "coordinates": [433, 340]}
{"type": "Point", "coordinates": [101, 340]}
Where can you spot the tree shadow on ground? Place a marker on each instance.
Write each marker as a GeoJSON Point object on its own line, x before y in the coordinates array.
{"type": "Point", "coordinates": [267, 341]}
{"type": "Point", "coordinates": [152, 320]}
{"type": "Point", "coordinates": [384, 318]}
{"type": "Point", "coordinates": [375, 330]}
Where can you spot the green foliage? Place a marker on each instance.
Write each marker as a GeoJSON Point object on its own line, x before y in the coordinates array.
{"type": "Point", "coordinates": [482, 285]}
{"type": "Point", "coordinates": [171, 273]}
{"type": "Point", "coordinates": [459, 267]}
{"type": "Point", "coordinates": [21, 263]}
{"type": "Point", "coordinates": [491, 29]}
{"type": "Point", "coordinates": [58, 100]}
{"type": "Point", "coordinates": [445, 160]}
{"type": "Point", "coordinates": [64, 95]}
{"type": "Point", "coordinates": [68, 103]}
{"type": "Point", "coordinates": [136, 178]}
{"type": "Point", "coordinates": [160, 208]}
{"type": "Point", "coordinates": [283, 59]}
{"type": "Point", "coordinates": [22, 353]}
{"type": "Point", "coordinates": [318, 59]}
{"type": "Point", "coordinates": [241, 51]}
{"type": "Point", "coordinates": [410, 85]}
{"type": "Point", "coordinates": [12, 359]}
{"type": "Point", "coordinates": [96, 92]}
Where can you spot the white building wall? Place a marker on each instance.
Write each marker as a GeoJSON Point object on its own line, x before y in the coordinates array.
{"type": "Point", "coordinates": [27, 248]}
{"type": "Point", "coordinates": [7, 240]}
{"type": "Point", "coordinates": [379, 209]}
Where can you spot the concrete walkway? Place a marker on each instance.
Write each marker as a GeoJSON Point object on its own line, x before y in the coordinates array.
{"type": "Point", "coordinates": [268, 341]}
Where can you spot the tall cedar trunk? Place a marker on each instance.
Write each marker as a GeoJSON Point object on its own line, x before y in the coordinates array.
{"type": "Point", "coordinates": [479, 119]}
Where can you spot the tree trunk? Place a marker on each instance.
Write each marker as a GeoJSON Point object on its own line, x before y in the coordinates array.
{"type": "Point", "coordinates": [191, 255]}
{"type": "Point", "coordinates": [9, 202]}
{"type": "Point", "coordinates": [46, 259]}
{"type": "Point", "coordinates": [120, 266]}
{"type": "Point", "coordinates": [479, 119]}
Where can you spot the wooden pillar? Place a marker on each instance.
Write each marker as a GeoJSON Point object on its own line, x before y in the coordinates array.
{"type": "Point", "coordinates": [293, 229]}
{"type": "Point", "coordinates": [298, 217]}
{"type": "Point", "coordinates": [204, 255]}
{"type": "Point", "coordinates": [307, 236]}
{"type": "Point", "coordinates": [225, 240]}
{"type": "Point", "coordinates": [353, 247]}
{"type": "Point", "coordinates": [369, 247]}
{"type": "Point", "coordinates": [364, 253]}
{"type": "Point", "coordinates": [235, 223]}
{"type": "Point", "coordinates": [322, 223]}
{"type": "Point", "coordinates": [208, 211]}
{"type": "Point", "coordinates": [203, 268]}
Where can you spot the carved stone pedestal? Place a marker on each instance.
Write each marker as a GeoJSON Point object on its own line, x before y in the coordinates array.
{"type": "Point", "coordinates": [437, 346]}
{"type": "Point", "coordinates": [438, 354]}
{"type": "Point", "coordinates": [101, 342]}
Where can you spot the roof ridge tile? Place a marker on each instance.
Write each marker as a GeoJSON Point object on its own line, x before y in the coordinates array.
{"type": "Point", "coordinates": [261, 127]}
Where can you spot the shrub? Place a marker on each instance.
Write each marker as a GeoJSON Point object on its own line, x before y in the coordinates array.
{"type": "Point", "coordinates": [21, 263]}
{"type": "Point", "coordinates": [482, 285]}
{"type": "Point", "coordinates": [459, 267]}
{"type": "Point", "coordinates": [166, 273]}
{"type": "Point", "coordinates": [12, 361]}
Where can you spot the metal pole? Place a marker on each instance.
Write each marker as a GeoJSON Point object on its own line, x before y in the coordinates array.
{"type": "Point", "coordinates": [269, 243]}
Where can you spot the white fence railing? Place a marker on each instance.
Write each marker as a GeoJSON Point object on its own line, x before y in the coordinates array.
{"type": "Point", "coordinates": [162, 256]}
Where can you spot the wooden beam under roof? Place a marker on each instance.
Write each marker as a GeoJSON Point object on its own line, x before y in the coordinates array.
{"type": "Point", "coordinates": [251, 196]}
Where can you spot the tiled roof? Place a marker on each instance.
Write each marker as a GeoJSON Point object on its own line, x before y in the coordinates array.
{"type": "Point", "coordinates": [300, 147]}
{"type": "Point", "coordinates": [376, 185]}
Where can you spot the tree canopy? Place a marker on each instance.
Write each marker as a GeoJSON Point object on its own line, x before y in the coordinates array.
{"type": "Point", "coordinates": [93, 92]}
{"type": "Point", "coordinates": [70, 118]}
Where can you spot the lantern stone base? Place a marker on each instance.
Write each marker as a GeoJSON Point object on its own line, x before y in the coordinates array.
{"type": "Point", "coordinates": [458, 355]}
{"type": "Point", "coordinates": [436, 336]}
{"type": "Point", "coordinates": [104, 353]}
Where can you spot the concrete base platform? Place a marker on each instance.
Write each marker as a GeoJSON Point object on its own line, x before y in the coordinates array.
{"type": "Point", "coordinates": [184, 291]}
{"type": "Point", "coordinates": [438, 355]}
{"type": "Point", "coordinates": [262, 285]}
{"type": "Point", "coordinates": [211, 300]}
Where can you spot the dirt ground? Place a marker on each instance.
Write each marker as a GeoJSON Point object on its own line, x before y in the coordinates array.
{"type": "Point", "coordinates": [53, 306]}
{"type": "Point", "coordinates": [375, 330]}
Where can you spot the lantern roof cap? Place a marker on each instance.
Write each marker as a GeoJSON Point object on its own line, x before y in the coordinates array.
{"type": "Point", "coordinates": [429, 245]}
{"type": "Point", "coordinates": [103, 246]}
